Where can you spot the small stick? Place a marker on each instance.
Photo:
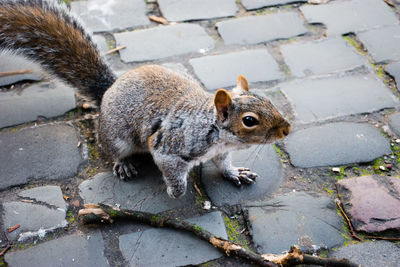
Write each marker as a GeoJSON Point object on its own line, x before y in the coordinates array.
{"type": "Point", "coordinates": [16, 72]}
{"type": "Point", "coordinates": [389, 3]}
{"type": "Point", "coordinates": [15, 227]}
{"type": "Point", "coordinates": [353, 234]}
{"type": "Point", "coordinates": [7, 247]}
{"type": "Point", "coordinates": [197, 189]}
{"type": "Point", "coordinates": [115, 49]}
{"type": "Point", "coordinates": [383, 238]}
{"type": "Point", "coordinates": [158, 19]}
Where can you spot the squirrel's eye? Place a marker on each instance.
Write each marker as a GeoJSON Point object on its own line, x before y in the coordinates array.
{"type": "Point", "coordinates": [249, 121]}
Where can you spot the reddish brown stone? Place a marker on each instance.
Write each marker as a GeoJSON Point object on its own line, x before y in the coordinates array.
{"type": "Point", "coordinates": [372, 202]}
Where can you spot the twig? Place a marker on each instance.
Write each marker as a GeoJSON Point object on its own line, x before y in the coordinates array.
{"type": "Point", "coordinates": [115, 49]}
{"type": "Point", "coordinates": [7, 247]}
{"type": "Point", "coordinates": [158, 20]}
{"type": "Point", "coordinates": [383, 238]}
{"type": "Point", "coordinates": [197, 189]}
{"type": "Point", "coordinates": [15, 227]}
{"type": "Point", "coordinates": [16, 72]}
{"type": "Point", "coordinates": [353, 234]}
{"type": "Point", "coordinates": [389, 3]}
{"type": "Point", "coordinates": [98, 213]}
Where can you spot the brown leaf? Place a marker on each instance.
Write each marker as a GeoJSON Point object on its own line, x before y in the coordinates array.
{"type": "Point", "coordinates": [160, 20]}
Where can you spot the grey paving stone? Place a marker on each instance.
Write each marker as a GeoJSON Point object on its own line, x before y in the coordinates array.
{"type": "Point", "coordinates": [147, 192]}
{"type": "Point", "coordinates": [255, 4]}
{"type": "Point", "coordinates": [49, 194]}
{"type": "Point", "coordinates": [336, 144]}
{"type": "Point", "coordinates": [321, 57]}
{"type": "Point", "coordinates": [269, 27]}
{"type": "Point", "coordinates": [165, 247]}
{"type": "Point", "coordinates": [382, 44]}
{"type": "Point", "coordinates": [110, 15]}
{"type": "Point", "coordinates": [10, 62]}
{"type": "Point", "coordinates": [163, 41]}
{"type": "Point", "coordinates": [373, 202]}
{"type": "Point", "coordinates": [35, 220]}
{"type": "Point", "coordinates": [182, 10]}
{"type": "Point", "coordinates": [43, 99]}
{"type": "Point", "coordinates": [394, 70]}
{"type": "Point", "coordinates": [394, 123]}
{"type": "Point", "coordinates": [71, 250]}
{"type": "Point", "coordinates": [295, 218]}
{"type": "Point", "coordinates": [318, 99]}
{"type": "Point", "coordinates": [340, 18]}
{"type": "Point", "coordinates": [260, 159]}
{"type": "Point", "coordinates": [43, 152]}
{"type": "Point", "coordinates": [222, 70]}
{"type": "Point", "coordinates": [101, 43]}
{"type": "Point", "coordinates": [371, 253]}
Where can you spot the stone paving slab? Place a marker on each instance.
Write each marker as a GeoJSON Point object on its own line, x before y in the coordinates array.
{"type": "Point", "coordinates": [44, 152]}
{"type": "Point", "coordinates": [71, 250]}
{"type": "Point", "coordinates": [10, 62]}
{"type": "Point", "coordinates": [371, 253]}
{"type": "Point", "coordinates": [260, 159]}
{"type": "Point", "coordinates": [163, 41]}
{"type": "Point", "coordinates": [318, 99]}
{"type": "Point", "coordinates": [101, 43]}
{"type": "Point", "coordinates": [295, 218]}
{"type": "Point", "coordinates": [255, 4]}
{"type": "Point", "coordinates": [222, 70]}
{"type": "Point", "coordinates": [182, 10]}
{"type": "Point", "coordinates": [373, 202]}
{"type": "Point", "coordinates": [321, 57]}
{"type": "Point", "coordinates": [336, 144]}
{"type": "Point", "coordinates": [382, 44]}
{"type": "Point", "coordinates": [45, 99]}
{"type": "Point", "coordinates": [147, 192]}
{"type": "Point", "coordinates": [340, 16]}
{"type": "Point", "coordinates": [35, 220]}
{"type": "Point", "coordinates": [269, 27]}
{"type": "Point", "coordinates": [394, 123]}
{"type": "Point", "coordinates": [394, 70]}
{"type": "Point", "coordinates": [106, 15]}
{"type": "Point", "coordinates": [165, 247]}
{"type": "Point", "coordinates": [50, 194]}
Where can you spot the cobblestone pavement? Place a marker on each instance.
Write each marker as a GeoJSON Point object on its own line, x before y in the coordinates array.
{"type": "Point", "coordinates": [332, 69]}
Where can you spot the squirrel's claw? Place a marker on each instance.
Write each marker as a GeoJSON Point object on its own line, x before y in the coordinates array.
{"type": "Point", "coordinates": [241, 175]}
{"type": "Point", "coordinates": [124, 170]}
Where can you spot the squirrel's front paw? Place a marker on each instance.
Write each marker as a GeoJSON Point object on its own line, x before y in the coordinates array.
{"type": "Point", "coordinates": [124, 170]}
{"type": "Point", "coordinates": [240, 175]}
{"type": "Point", "coordinates": [177, 191]}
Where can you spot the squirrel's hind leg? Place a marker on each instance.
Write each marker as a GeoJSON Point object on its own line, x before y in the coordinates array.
{"type": "Point", "coordinates": [237, 175]}
{"type": "Point", "coordinates": [124, 169]}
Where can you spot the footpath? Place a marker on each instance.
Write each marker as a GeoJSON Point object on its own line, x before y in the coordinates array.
{"type": "Point", "coordinates": [332, 70]}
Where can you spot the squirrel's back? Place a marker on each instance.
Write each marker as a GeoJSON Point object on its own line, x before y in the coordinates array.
{"type": "Point", "coordinates": [46, 34]}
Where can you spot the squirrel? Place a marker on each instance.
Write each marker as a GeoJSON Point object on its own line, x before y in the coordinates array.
{"type": "Point", "coordinates": [148, 109]}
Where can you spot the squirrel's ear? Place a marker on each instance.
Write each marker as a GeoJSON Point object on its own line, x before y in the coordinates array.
{"type": "Point", "coordinates": [222, 100]}
{"type": "Point", "coordinates": [242, 83]}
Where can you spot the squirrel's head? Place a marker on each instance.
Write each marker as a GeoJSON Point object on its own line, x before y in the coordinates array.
{"type": "Point", "coordinates": [251, 118]}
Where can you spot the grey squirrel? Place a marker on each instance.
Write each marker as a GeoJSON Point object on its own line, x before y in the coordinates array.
{"type": "Point", "coordinates": [148, 109]}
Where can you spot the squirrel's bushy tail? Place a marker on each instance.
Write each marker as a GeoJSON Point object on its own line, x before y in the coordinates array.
{"type": "Point", "coordinates": [48, 35]}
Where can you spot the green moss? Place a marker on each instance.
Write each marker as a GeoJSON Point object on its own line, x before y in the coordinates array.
{"type": "Point", "coordinates": [70, 217]}
{"type": "Point", "coordinates": [2, 262]}
{"type": "Point", "coordinates": [329, 191]}
{"type": "Point", "coordinates": [233, 231]}
{"type": "Point", "coordinates": [376, 164]}
{"type": "Point", "coordinates": [93, 151]}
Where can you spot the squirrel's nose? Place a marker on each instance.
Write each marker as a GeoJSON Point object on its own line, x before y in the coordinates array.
{"type": "Point", "coordinates": [284, 129]}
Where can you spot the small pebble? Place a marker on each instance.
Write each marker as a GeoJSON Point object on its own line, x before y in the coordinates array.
{"type": "Point", "coordinates": [382, 168]}
{"type": "Point", "coordinates": [336, 169]}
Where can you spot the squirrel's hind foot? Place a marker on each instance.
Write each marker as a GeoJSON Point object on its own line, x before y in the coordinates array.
{"type": "Point", "coordinates": [124, 170]}
{"type": "Point", "coordinates": [239, 175]}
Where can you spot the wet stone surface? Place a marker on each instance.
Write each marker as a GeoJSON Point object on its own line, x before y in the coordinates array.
{"type": "Point", "coordinates": [146, 192]}
{"type": "Point", "coordinates": [223, 70]}
{"type": "Point", "coordinates": [104, 15]}
{"type": "Point", "coordinates": [165, 247]}
{"type": "Point", "coordinates": [101, 43]}
{"type": "Point", "coordinates": [336, 144]}
{"type": "Point", "coordinates": [373, 253]}
{"type": "Point", "coordinates": [373, 202]}
{"type": "Point", "coordinates": [339, 16]}
{"type": "Point", "coordinates": [394, 123]}
{"type": "Point", "coordinates": [143, 45]}
{"type": "Point", "coordinates": [255, 4]}
{"type": "Point", "coordinates": [71, 250]}
{"type": "Point", "coordinates": [269, 27]}
{"type": "Point", "coordinates": [49, 99]}
{"type": "Point", "coordinates": [394, 70]}
{"type": "Point", "coordinates": [260, 159]}
{"type": "Point", "coordinates": [321, 57]}
{"type": "Point", "coordinates": [382, 44]}
{"type": "Point", "coordinates": [43, 152]}
{"type": "Point", "coordinates": [295, 218]}
{"type": "Point", "coordinates": [182, 10]}
{"type": "Point", "coordinates": [317, 99]}
{"type": "Point", "coordinates": [45, 213]}
{"type": "Point", "coordinates": [11, 63]}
